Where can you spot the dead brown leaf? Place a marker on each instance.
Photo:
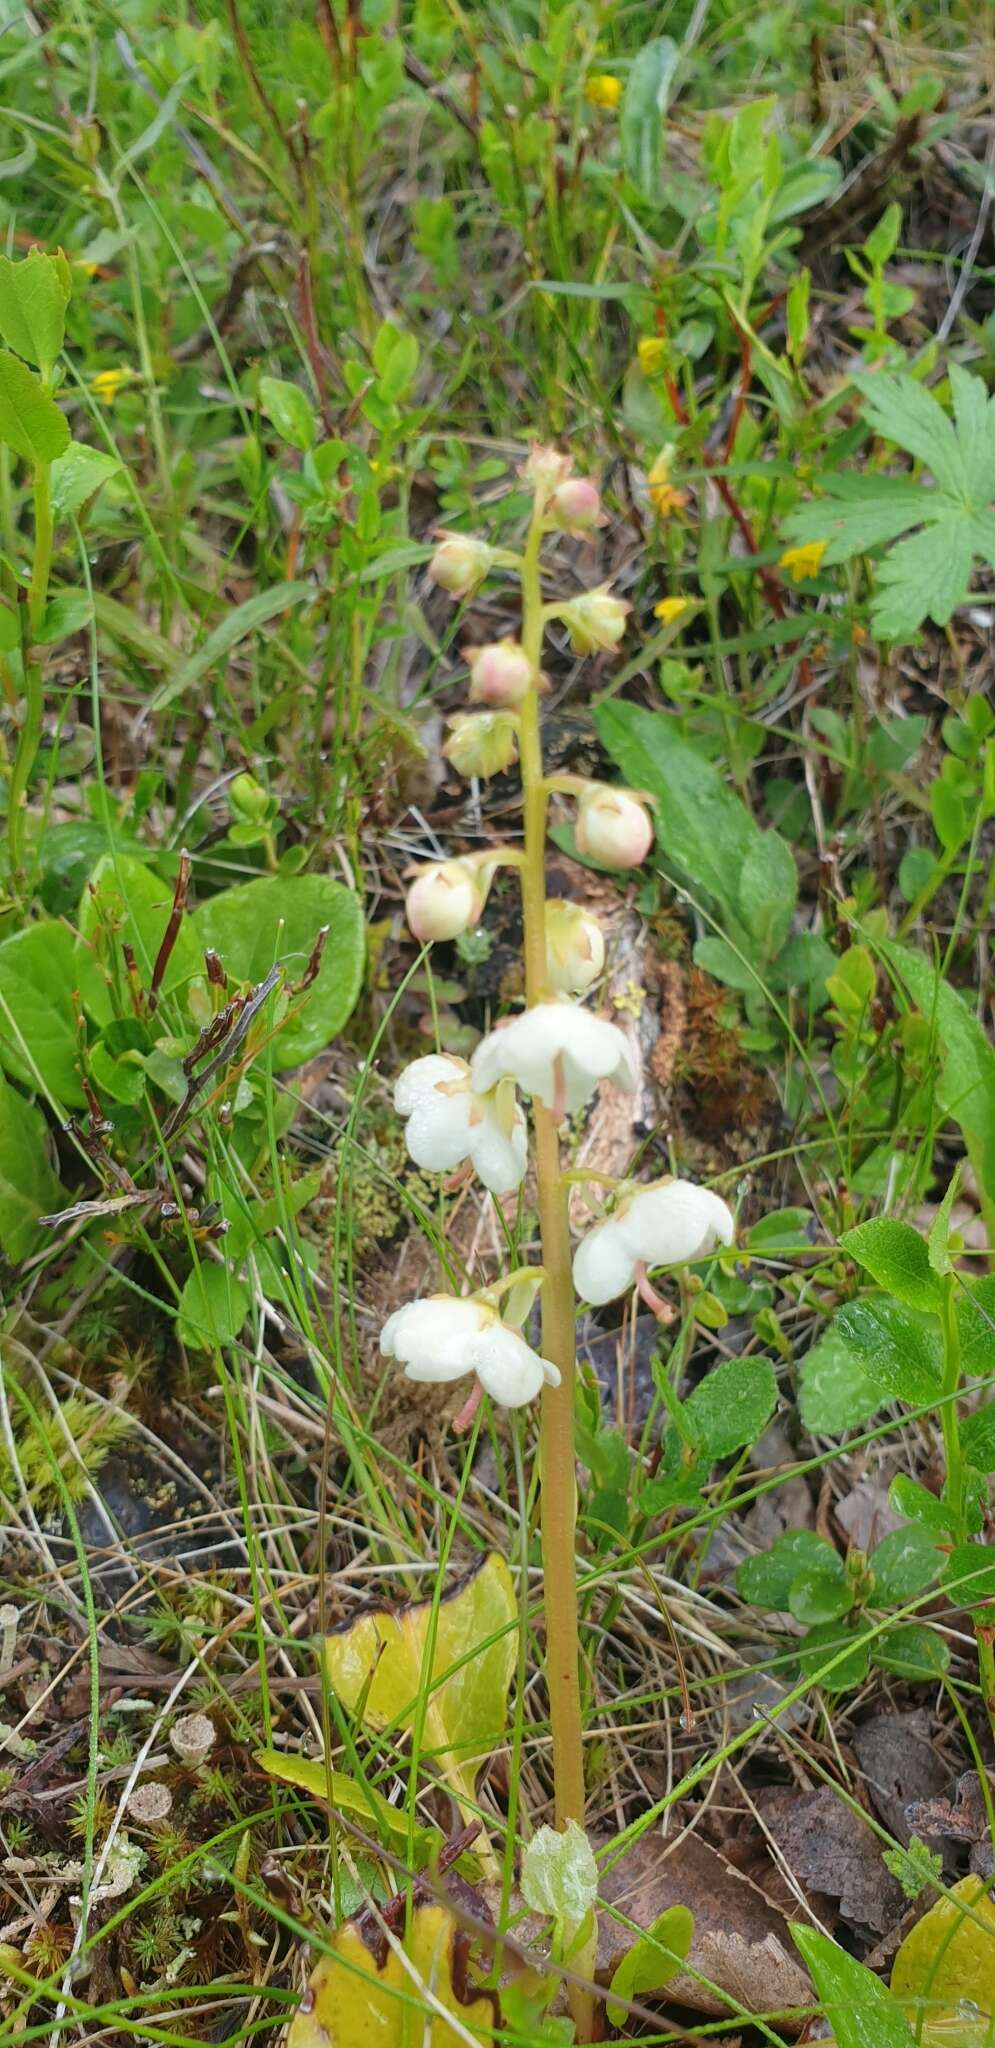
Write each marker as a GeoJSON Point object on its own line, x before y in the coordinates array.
{"type": "Point", "coordinates": [898, 1757]}
{"type": "Point", "coordinates": [830, 1849]}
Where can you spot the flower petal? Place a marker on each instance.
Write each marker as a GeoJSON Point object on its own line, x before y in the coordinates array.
{"type": "Point", "coordinates": [603, 1267]}
{"type": "Point", "coordinates": [507, 1367]}
{"type": "Point", "coordinates": [672, 1223]}
{"type": "Point", "coordinates": [499, 1158]}
{"type": "Point", "coordinates": [421, 1079]}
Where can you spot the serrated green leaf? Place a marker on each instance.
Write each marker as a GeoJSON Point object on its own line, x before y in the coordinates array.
{"type": "Point", "coordinates": [902, 1354]}
{"type": "Point", "coordinates": [858, 513]}
{"type": "Point", "coordinates": [731, 1406]}
{"type": "Point", "coordinates": [30, 421]}
{"type": "Point", "coordinates": [34, 293]}
{"type": "Point", "coordinates": [896, 1257]}
{"type": "Point", "coordinates": [925, 576]}
{"type": "Point", "coordinates": [901, 410]}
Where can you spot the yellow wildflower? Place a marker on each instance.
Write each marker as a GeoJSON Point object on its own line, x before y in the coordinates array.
{"type": "Point", "coordinates": [602, 90]}
{"type": "Point", "coordinates": [800, 562]}
{"type": "Point", "coordinates": [662, 493]}
{"type": "Point", "coordinates": [652, 353]}
{"type": "Point", "coordinates": [107, 383]}
{"type": "Point", "coordinates": [670, 609]}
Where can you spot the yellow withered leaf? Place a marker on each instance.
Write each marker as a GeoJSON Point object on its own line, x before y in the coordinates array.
{"type": "Point", "coordinates": [381, 1662]}
{"type": "Point", "coordinates": [948, 1957]}
{"type": "Point", "coordinates": [365, 1995]}
{"type": "Point", "coordinates": [370, 1808]}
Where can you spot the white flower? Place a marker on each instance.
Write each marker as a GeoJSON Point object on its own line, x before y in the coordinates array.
{"type": "Point", "coordinates": [595, 620]}
{"type": "Point", "coordinates": [448, 1123]}
{"type": "Point", "coordinates": [442, 1338]}
{"type": "Point", "coordinates": [613, 826]}
{"type": "Point", "coordinates": [558, 1052]}
{"type": "Point", "coordinates": [575, 947]}
{"type": "Point", "coordinates": [669, 1223]}
{"type": "Point", "coordinates": [446, 898]}
{"type": "Point", "coordinates": [460, 562]}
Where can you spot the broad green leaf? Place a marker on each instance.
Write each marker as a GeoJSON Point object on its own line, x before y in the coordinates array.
{"type": "Point", "coordinates": [976, 1327]}
{"type": "Point", "coordinates": [123, 904]}
{"type": "Point", "coordinates": [363, 1994]}
{"type": "Point", "coordinates": [809, 183]}
{"type": "Point", "coordinates": [734, 969]}
{"type": "Point", "coordinates": [969, 1577]}
{"type": "Point", "coordinates": [34, 294]}
{"type": "Point", "coordinates": [30, 421]}
{"type": "Point", "coordinates": [966, 1087]}
{"type": "Point", "coordinates": [858, 512]}
{"type": "Point", "coordinates": [67, 611]}
{"type": "Point", "coordinates": [896, 1257]}
{"type": "Point", "coordinates": [289, 410]}
{"type": "Point", "coordinates": [904, 1564]}
{"type": "Point", "coordinates": [278, 920]}
{"type": "Point", "coordinates": [781, 1230]}
{"type": "Point", "coordinates": [860, 2011]}
{"type": "Point", "coordinates": [948, 1957]}
{"type": "Point", "coordinates": [731, 1406]}
{"type": "Point", "coordinates": [212, 1308]}
{"type": "Point", "coordinates": [820, 1592]}
{"type": "Point", "coordinates": [29, 1187]}
{"type": "Point", "coordinates": [974, 414]}
{"type": "Point", "coordinates": [833, 1656]}
{"type": "Point", "coordinates": [768, 891]}
{"type": "Point", "coordinates": [214, 651]}
{"type": "Point", "coordinates": [912, 1651]}
{"type": "Point", "coordinates": [76, 475]}
{"type": "Point", "coordinates": [895, 1349]}
{"type": "Point", "coordinates": [652, 1960]}
{"type": "Point", "coordinates": [335, 1787]}
{"type": "Point", "coordinates": [977, 1438]}
{"type": "Point", "coordinates": [38, 1041]}
{"type": "Point", "coordinates": [766, 1581]}
{"type": "Point", "coordinates": [704, 831]}
{"type": "Point", "coordinates": [908, 1497]}
{"type": "Point", "coordinates": [384, 1661]}
{"type": "Point", "coordinates": [836, 1390]}
{"type": "Point", "coordinates": [642, 116]}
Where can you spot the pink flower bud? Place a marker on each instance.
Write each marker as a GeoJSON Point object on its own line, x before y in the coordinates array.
{"type": "Point", "coordinates": [444, 900]}
{"type": "Point", "coordinates": [576, 505]}
{"type": "Point", "coordinates": [613, 827]}
{"type": "Point", "coordinates": [460, 562]}
{"type": "Point", "coordinates": [575, 947]}
{"type": "Point", "coordinates": [500, 673]}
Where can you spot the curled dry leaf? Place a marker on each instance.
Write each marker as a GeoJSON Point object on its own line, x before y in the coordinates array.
{"type": "Point", "coordinates": [416, 1986]}
{"type": "Point", "coordinates": [830, 1849]}
{"type": "Point", "coordinates": [741, 1943]}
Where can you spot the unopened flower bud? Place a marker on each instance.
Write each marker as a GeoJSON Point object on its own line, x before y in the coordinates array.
{"type": "Point", "coordinates": [576, 505]}
{"type": "Point", "coordinates": [460, 562]}
{"type": "Point", "coordinates": [545, 469]}
{"type": "Point", "coordinates": [444, 900]}
{"type": "Point", "coordinates": [482, 742]}
{"type": "Point", "coordinates": [500, 673]}
{"type": "Point", "coordinates": [575, 947]}
{"type": "Point", "coordinates": [613, 827]}
{"type": "Point", "coordinates": [595, 621]}
{"type": "Point", "coordinates": [249, 800]}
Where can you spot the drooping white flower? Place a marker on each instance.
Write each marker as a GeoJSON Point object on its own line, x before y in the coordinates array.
{"type": "Point", "coordinates": [442, 1338]}
{"type": "Point", "coordinates": [460, 562]}
{"type": "Point", "coordinates": [668, 1223]}
{"type": "Point", "coordinates": [448, 1123]}
{"type": "Point", "coordinates": [613, 826]}
{"type": "Point", "coordinates": [595, 620]}
{"type": "Point", "coordinates": [558, 1052]}
{"type": "Point", "coordinates": [575, 506]}
{"type": "Point", "coordinates": [500, 673]}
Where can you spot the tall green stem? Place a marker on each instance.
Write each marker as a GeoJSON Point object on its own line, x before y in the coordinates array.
{"type": "Point", "coordinates": [557, 1455]}
{"type": "Point", "coordinates": [29, 737]}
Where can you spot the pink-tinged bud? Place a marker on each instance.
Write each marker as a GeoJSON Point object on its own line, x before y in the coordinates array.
{"type": "Point", "coordinates": [460, 562]}
{"type": "Point", "coordinates": [576, 506]}
{"type": "Point", "coordinates": [444, 900]}
{"type": "Point", "coordinates": [613, 827]}
{"type": "Point", "coordinates": [595, 621]}
{"type": "Point", "coordinates": [545, 469]}
{"type": "Point", "coordinates": [575, 947]}
{"type": "Point", "coordinates": [500, 673]}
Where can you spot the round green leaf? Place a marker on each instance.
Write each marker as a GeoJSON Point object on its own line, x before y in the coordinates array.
{"type": "Point", "coordinates": [278, 919]}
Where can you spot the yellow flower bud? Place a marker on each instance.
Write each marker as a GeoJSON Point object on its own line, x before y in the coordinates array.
{"type": "Point", "coordinates": [602, 90]}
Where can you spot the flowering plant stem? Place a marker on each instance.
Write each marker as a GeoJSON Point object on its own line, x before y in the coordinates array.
{"type": "Point", "coordinates": [557, 1457]}
{"type": "Point", "coordinates": [31, 724]}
